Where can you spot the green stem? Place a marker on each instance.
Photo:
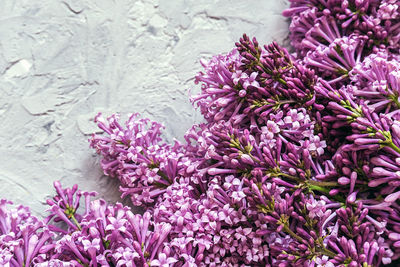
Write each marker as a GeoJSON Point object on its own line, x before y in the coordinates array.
{"type": "Point", "coordinates": [322, 249]}
{"type": "Point", "coordinates": [396, 102]}
{"type": "Point", "coordinates": [76, 222]}
{"type": "Point", "coordinates": [287, 102]}
{"type": "Point", "coordinates": [291, 233]}
{"type": "Point", "coordinates": [328, 253]}
{"type": "Point", "coordinates": [393, 146]}
{"type": "Point", "coordinates": [319, 188]}
{"type": "Point", "coordinates": [313, 182]}
{"type": "Point", "coordinates": [289, 176]}
{"type": "Point", "coordinates": [314, 185]}
{"type": "Point", "coordinates": [326, 191]}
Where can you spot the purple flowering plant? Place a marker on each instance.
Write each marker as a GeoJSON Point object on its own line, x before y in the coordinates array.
{"type": "Point", "coordinates": [296, 163]}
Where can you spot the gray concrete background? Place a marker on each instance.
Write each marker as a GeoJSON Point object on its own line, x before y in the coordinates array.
{"type": "Point", "coordinates": [61, 62]}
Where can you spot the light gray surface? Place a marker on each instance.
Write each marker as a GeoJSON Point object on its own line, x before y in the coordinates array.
{"type": "Point", "coordinates": [61, 62]}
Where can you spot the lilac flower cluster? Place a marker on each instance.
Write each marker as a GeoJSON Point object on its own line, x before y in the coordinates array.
{"type": "Point", "coordinates": [289, 168]}
{"type": "Point", "coordinates": [296, 163]}
{"type": "Point", "coordinates": [334, 35]}
{"type": "Point", "coordinates": [136, 155]}
{"type": "Point", "coordinates": [316, 22]}
{"type": "Point", "coordinates": [99, 235]}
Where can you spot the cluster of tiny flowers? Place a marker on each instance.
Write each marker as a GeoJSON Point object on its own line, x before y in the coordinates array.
{"type": "Point", "coordinates": [297, 161]}
{"type": "Point", "coordinates": [144, 165]}
{"type": "Point", "coordinates": [97, 235]}
{"type": "Point", "coordinates": [332, 36]}
{"type": "Point", "coordinates": [315, 22]}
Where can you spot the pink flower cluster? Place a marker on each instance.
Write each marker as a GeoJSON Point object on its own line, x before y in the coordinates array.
{"type": "Point", "coordinates": [296, 163]}
{"type": "Point", "coordinates": [98, 235]}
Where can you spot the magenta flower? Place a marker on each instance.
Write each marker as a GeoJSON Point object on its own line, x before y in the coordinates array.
{"type": "Point", "coordinates": [136, 156]}
{"type": "Point", "coordinates": [270, 129]}
{"type": "Point", "coordinates": [163, 261]}
{"type": "Point", "coordinates": [296, 164]}
{"type": "Point", "coordinates": [323, 262]}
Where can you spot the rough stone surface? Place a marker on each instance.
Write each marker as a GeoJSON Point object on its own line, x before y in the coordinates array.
{"type": "Point", "coordinates": [61, 62]}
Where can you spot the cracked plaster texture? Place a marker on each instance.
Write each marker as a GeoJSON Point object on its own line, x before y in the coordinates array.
{"type": "Point", "coordinates": [62, 62]}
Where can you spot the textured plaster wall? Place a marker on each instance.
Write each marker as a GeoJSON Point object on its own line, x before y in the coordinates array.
{"type": "Point", "coordinates": [61, 62]}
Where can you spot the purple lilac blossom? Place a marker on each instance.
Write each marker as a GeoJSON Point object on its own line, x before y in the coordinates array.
{"type": "Point", "coordinates": [297, 162]}
{"type": "Point", "coordinates": [144, 165]}
{"type": "Point", "coordinates": [318, 21]}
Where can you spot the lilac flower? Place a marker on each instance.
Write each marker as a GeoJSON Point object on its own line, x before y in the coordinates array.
{"type": "Point", "coordinates": [315, 145]}
{"type": "Point", "coordinates": [323, 262]}
{"type": "Point", "coordinates": [297, 162]}
{"type": "Point", "coordinates": [315, 208]}
{"type": "Point", "coordinates": [248, 83]}
{"type": "Point", "coordinates": [389, 9]}
{"type": "Point", "coordinates": [321, 20]}
{"type": "Point", "coordinates": [22, 236]}
{"type": "Point", "coordinates": [110, 235]}
{"type": "Point", "coordinates": [144, 165]}
{"type": "Point", "coordinates": [125, 256]}
{"type": "Point", "coordinates": [335, 60]}
{"type": "Point", "coordinates": [289, 168]}
{"type": "Point", "coordinates": [219, 96]}
{"type": "Point", "coordinates": [377, 81]}
{"type": "Point", "coordinates": [270, 129]}
{"type": "Point", "coordinates": [163, 261]}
